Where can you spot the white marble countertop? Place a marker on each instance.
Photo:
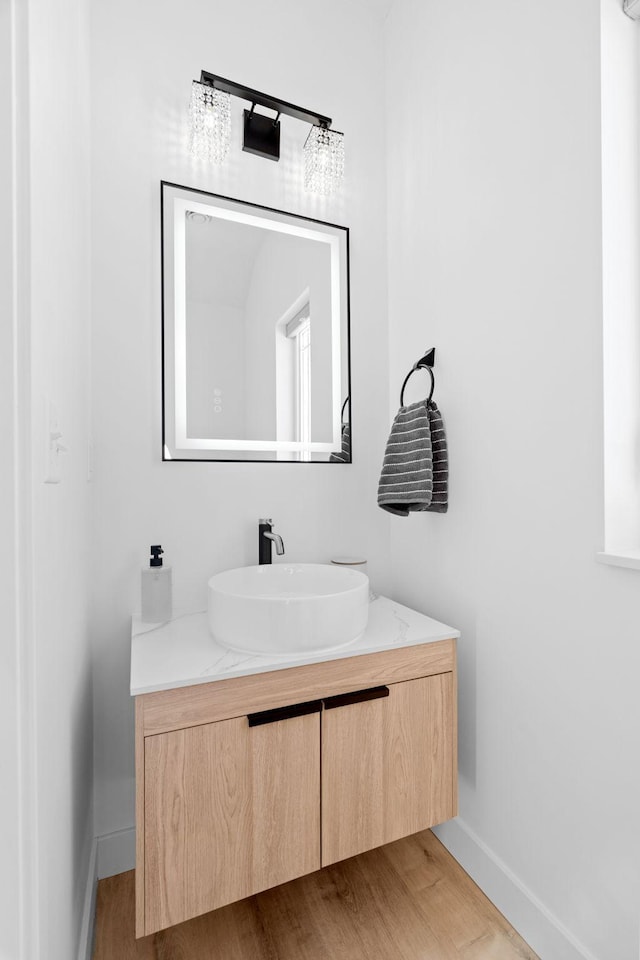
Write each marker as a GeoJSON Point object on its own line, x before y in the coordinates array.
{"type": "Point", "coordinates": [182, 652]}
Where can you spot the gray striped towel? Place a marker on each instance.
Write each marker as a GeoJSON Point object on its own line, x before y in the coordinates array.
{"type": "Point", "coordinates": [406, 481]}
{"type": "Point", "coordinates": [414, 474]}
{"type": "Point", "coordinates": [440, 496]}
{"type": "Point", "coordinates": [344, 456]}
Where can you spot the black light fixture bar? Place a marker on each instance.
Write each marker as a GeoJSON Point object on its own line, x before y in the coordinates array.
{"type": "Point", "coordinates": [263, 100]}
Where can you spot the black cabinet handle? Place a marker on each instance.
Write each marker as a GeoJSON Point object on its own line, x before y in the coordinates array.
{"type": "Point", "coordinates": [284, 713]}
{"type": "Point", "coordinates": [315, 706]}
{"type": "Point", "coordinates": [360, 696]}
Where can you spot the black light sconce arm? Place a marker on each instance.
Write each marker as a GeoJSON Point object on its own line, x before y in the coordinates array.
{"type": "Point", "coordinates": [264, 100]}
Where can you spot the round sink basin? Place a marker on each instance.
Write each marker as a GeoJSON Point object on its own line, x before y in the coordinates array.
{"type": "Point", "coordinates": [288, 608]}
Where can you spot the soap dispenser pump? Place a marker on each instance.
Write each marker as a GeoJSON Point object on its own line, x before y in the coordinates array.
{"type": "Point", "coordinates": [156, 589]}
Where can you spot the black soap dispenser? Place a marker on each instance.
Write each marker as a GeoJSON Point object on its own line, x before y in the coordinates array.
{"type": "Point", "coordinates": [156, 589]}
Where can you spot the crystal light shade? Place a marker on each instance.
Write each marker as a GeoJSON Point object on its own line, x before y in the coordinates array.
{"type": "Point", "coordinates": [323, 160]}
{"type": "Point", "coordinates": [210, 123]}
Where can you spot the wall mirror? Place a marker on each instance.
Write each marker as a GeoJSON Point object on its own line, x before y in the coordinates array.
{"type": "Point", "coordinates": [255, 332]}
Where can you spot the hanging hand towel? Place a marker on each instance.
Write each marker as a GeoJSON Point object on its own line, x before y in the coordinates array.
{"type": "Point", "coordinates": [344, 456]}
{"type": "Point", "coordinates": [406, 481]}
{"type": "Point", "coordinates": [440, 495]}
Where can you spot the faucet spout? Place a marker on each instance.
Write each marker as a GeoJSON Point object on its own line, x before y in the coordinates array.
{"type": "Point", "coordinates": [277, 542]}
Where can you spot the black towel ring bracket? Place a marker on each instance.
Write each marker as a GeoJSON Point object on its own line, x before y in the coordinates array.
{"type": "Point", "coordinates": [424, 363]}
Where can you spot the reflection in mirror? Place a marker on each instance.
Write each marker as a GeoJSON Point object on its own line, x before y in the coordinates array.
{"type": "Point", "coordinates": [255, 332]}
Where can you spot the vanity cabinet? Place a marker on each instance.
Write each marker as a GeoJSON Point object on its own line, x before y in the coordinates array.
{"type": "Point", "coordinates": [248, 782]}
{"type": "Point", "coordinates": [230, 809]}
{"type": "Point", "coordinates": [387, 765]}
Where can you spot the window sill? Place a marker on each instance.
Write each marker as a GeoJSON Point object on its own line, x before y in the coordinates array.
{"type": "Point", "coordinates": [627, 558]}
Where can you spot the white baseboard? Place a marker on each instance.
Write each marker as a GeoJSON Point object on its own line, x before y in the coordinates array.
{"type": "Point", "coordinates": [111, 854]}
{"type": "Point", "coordinates": [116, 853]}
{"type": "Point", "coordinates": [534, 922]}
{"type": "Point", "coordinates": [85, 948]}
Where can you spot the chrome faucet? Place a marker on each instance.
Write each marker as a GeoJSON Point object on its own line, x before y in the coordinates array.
{"type": "Point", "coordinates": [266, 540]}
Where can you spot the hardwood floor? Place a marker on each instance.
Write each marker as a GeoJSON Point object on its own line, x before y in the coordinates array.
{"type": "Point", "coordinates": [409, 900]}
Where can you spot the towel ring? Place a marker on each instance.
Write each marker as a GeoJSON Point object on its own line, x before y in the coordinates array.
{"type": "Point", "coordinates": [424, 363]}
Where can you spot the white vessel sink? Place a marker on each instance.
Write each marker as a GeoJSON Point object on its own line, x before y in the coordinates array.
{"type": "Point", "coordinates": [284, 608]}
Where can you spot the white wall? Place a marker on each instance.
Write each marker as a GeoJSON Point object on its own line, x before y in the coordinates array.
{"type": "Point", "coordinates": [494, 242]}
{"type": "Point", "coordinates": [62, 566]}
{"type": "Point", "coordinates": [144, 57]}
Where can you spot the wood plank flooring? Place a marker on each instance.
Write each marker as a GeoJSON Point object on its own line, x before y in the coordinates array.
{"type": "Point", "coordinates": [409, 900]}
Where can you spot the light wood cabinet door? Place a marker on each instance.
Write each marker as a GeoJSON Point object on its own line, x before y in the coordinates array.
{"type": "Point", "coordinates": [230, 809]}
{"type": "Point", "coordinates": [387, 765]}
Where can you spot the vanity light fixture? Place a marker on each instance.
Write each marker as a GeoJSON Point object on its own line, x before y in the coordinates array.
{"type": "Point", "coordinates": [323, 160]}
{"type": "Point", "coordinates": [211, 125]}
